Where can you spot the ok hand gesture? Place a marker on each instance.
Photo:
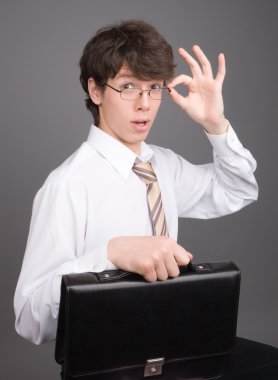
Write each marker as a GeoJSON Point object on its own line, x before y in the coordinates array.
{"type": "Point", "coordinates": [204, 101]}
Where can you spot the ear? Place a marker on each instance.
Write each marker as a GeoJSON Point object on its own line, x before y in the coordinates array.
{"type": "Point", "coordinates": [94, 91]}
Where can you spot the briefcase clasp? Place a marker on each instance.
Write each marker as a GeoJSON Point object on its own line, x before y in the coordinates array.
{"type": "Point", "coordinates": [153, 367]}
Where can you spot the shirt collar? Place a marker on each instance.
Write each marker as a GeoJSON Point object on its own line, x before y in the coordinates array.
{"type": "Point", "coordinates": [119, 156]}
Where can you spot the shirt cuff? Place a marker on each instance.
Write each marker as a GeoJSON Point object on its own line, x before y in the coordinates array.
{"type": "Point", "coordinates": [94, 261]}
{"type": "Point", "coordinates": [226, 144]}
{"type": "Point", "coordinates": [110, 265]}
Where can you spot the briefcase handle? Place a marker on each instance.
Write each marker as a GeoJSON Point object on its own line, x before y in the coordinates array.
{"type": "Point", "coordinates": [119, 274]}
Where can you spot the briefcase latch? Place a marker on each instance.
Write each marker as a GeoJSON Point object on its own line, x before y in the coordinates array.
{"type": "Point", "coordinates": [153, 367]}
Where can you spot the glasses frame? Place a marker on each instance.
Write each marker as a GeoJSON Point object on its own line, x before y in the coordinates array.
{"type": "Point", "coordinates": [140, 94]}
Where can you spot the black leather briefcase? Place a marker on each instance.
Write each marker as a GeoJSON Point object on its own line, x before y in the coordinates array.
{"type": "Point", "coordinates": [116, 326]}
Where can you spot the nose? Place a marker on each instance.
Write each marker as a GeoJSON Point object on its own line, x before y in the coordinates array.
{"type": "Point", "coordinates": [144, 100]}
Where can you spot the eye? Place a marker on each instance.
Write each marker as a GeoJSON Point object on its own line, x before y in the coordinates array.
{"type": "Point", "coordinates": [156, 86]}
{"type": "Point", "coordinates": [127, 86]}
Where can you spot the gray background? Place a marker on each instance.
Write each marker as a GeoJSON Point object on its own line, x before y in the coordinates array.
{"type": "Point", "coordinates": [43, 120]}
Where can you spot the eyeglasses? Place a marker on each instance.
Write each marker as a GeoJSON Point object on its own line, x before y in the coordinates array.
{"type": "Point", "coordinates": [135, 93]}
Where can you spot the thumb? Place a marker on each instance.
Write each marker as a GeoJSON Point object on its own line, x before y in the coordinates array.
{"type": "Point", "coordinates": [179, 99]}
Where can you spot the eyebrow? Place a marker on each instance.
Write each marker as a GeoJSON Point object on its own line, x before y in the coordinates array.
{"type": "Point", "coordinates": [129, 75]}
{"type": "Point", "coordinates": [126, 75]}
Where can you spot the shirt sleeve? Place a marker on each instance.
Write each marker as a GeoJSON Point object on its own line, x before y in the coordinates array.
{"type": "Point", "coordinates": [55, 246]}
{"type": "Point", "coordinates": [222, 187]}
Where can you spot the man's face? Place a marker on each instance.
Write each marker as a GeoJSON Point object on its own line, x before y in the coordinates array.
{"type": "Point", "coordinates": [128, 121]}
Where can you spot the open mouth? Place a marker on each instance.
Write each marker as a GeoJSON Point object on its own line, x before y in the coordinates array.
{"type": "Point", "coordinates": [141, 124]}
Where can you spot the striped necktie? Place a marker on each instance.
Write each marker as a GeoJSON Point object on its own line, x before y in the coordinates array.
{"type": "Point", "coordinates": [146, 173]}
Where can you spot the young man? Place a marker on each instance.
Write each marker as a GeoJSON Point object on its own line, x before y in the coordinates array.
{"type": "Point", "coordinates": [95, 211]}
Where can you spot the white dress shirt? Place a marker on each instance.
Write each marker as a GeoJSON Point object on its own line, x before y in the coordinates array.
{"type": "Point", "coordinates": [94, 196]}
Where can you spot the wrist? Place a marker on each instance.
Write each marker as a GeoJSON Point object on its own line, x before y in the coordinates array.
{"type": "Point", "coordinates": [112, 249]}
{"type": "Point", "coordinates": [217, 129]}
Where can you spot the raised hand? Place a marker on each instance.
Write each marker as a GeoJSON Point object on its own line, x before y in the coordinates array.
{"type": "Point", "coordinates": [204, 101]}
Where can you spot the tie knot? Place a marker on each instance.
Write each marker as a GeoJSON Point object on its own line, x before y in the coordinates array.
{"type": "Point", "coordinates": [145, 172]}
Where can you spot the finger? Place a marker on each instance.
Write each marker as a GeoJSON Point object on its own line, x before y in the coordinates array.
{"type": "Point", "coordinates": [221, 68]}
{"type": "Point", "coordinates": [180, 79]}
{"type": "Point", "coordinates": [161, 271]}
{"type": "Point", "coordinates": [154, 269]}
{"type": "Point", "coordinates": [182, 256]}
{"type": "Point", "coordinates": [150, 275]}
{"type": "Point", "coordinates": [192, 63]}
{"type": "Point", "coordinates": [205, 63]}
{"type": "Point", "coordinates": [171, 266]}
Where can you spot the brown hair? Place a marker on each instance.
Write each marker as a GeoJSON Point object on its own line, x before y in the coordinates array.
{"type": "Point", "coordinates": [134, 43]}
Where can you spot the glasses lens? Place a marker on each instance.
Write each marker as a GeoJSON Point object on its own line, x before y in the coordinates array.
{"type": "Point", "coordinates": [130, 93]}
{"type": "Point", "coordinates": [135, 93]}
{"type": "Point", "coordinates": [156, 93]}
{"type": "Point", "coordinates": [159, 93]}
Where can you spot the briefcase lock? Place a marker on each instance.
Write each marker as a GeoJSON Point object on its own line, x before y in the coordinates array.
{"type": "Point", "coordinates": [153, 367]}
